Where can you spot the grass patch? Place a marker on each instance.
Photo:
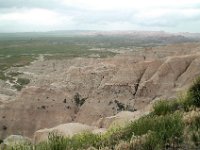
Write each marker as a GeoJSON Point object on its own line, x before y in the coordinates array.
{"type": "Point", "coordinates": [184, 103]}
{"type": "Point", "coordinates": [163, 130]}
{"type": "Point", "coordinates": [164, 107]}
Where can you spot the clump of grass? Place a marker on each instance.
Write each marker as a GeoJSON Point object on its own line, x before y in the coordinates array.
{"type": "Point", "coordinates": [56, 142]}
{"type": "Point", "coordinates": [164, 107]}
{"type": "Point", "coordinates": [192, 130]}
{"type": "Point", "coordinates": [195, 131]}
{"type": "Point", "coordinates": [79, 141]}
{"type": "Point", "coordinates": [191, 99]}
{"type": "Point", "coordinates": [85, 140]}
{"type": "Point", "coordinates": [163, 128]}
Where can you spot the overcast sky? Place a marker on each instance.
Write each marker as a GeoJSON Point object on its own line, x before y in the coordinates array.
{"type": "Point", "coordinates": [46, 15]}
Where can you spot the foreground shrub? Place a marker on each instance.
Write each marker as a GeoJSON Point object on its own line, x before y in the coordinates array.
{"type": "Point", "coordinates": [171, 123]}
{"type": "Point", "coordinates": [55, 142]}
{"type": "Point", "coordinates": [85, 140]}
{"type": "Point", "coordinates": [192, 131]}
{"type": "Point", "coordinates": [163, 130]}
{"type": "Point", "coordinates": [165, 107]}
{"type": "Point", "coordinates": [79, 141]}
{"type": "Point", "coordinates": [194, 93]}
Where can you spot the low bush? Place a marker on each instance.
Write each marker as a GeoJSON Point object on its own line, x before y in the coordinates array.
{"type": "Point", "coordinates": [78, 100]}
{"type": "Point", "coordinates": [85, 140]}
{"type": "Point", "coordinates": [165, 127]}
{"type": "Point", "coordinates": [165, 107]}
{"type": "Point", "coordinates": [194, 93]}
{"type": "Point", "coordinates": [163, 130]}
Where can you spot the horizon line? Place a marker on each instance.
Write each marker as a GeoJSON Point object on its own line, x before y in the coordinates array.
{"type": "Point", "coordinates": [92, 30]}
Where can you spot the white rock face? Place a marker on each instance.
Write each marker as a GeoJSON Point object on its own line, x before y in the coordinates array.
{"type": "Point", "coordinates": [120, 119]}
{"type": "Point", "coordinates": [16, 140]}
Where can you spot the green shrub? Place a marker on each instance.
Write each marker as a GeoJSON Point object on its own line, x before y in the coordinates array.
{"type": "Point", "coordinates": [78, 100]}
{"type": "Point", "coordinates": [79, 141]}
{"type": "Point", "coordinates": [112, 136]}
{"type": "Point", "coordinates": [151, 142]}
{"type": "Point", "coordinates": [18, 87]}
{"type": "Point", "coordinates": [194, 93]}
{"type": "Point", "coordinates": [85, 140]}
{"type": "Point", "coordinates": [165, 127]}
{"type": "Point", "coordinates": [196, 123]}
{"type": "Point", "coordinates": [192, 129]}
{"type": "Point", "coordinates": [20, 83]}
{"type": "Point", "coordinates": [56, 142]}
{"type": "Point", "coordinates": [165, 107]}
{"type": "Point", "coordinates": [23, 81]}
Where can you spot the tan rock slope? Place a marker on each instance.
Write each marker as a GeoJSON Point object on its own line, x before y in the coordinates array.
{"type": "Point", "coordinates": [86, 89]}
{"type": "Point", "coordinates": [64, 129]}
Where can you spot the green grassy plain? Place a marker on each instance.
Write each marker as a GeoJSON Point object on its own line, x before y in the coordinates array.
{"type": "Point", "coordinates": [20, 49]}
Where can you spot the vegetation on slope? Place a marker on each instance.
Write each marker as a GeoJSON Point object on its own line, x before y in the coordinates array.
{"type": "Point", "coordinates": [173, 124]}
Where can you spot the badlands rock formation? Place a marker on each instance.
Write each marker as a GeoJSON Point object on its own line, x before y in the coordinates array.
{"type": "Point", "coordinates": [85, 90]}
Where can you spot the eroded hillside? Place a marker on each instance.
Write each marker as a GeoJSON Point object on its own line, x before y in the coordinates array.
{"type": "Point", "coordinates": [85, 90]}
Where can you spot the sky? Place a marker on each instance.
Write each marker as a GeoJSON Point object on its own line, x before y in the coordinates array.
{"type": "Point", "coordinates": [50, 15]}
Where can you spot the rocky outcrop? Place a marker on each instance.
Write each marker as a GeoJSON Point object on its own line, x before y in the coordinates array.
{"type": "Point", "coordinates": [120, 119]}
{"type": "Point", "coordinates": [66, 130]}
{"type": "Point", "coordinates": [13, 140]}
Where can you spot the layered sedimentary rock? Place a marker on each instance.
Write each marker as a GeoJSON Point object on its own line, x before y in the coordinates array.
{"type": "Point", "coordinates": [87, 89]}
